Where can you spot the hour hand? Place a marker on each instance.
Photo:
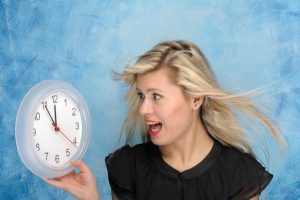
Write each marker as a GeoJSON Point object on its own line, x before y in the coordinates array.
{"type": "Point", "coordinates": [55, 120]}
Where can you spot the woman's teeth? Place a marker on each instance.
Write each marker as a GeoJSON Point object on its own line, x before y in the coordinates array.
{"type": "Point", "coordinates": [154, 128]}
{"type": "Point", "coordinates": [152, 123]}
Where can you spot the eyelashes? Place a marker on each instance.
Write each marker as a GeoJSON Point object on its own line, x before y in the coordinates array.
{"type": "Point", "coordinates": [155, 96]}
{"type": "Point", "coordinates": [141, 95]}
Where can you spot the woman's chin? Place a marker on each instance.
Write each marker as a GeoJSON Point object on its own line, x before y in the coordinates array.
{"type": "Point", "coordinates": [158, 140]}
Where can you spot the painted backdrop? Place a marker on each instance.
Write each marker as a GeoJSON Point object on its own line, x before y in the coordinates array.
{"type": "Point", "coordinates": [250, 44]}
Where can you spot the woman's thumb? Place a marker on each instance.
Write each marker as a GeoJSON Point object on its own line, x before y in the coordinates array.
{"type": "Point", "coordinates": [80, 165]}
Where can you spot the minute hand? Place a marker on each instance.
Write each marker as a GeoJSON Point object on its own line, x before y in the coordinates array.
{"type": "Point", "coordinates": [49, 115]}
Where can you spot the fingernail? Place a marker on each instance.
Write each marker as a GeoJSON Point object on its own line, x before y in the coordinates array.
{"type": "Point", "coordinates": [73, 162]}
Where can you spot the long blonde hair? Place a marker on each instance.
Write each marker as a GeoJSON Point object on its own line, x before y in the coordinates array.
{"type": "Point", "coordinates": [193, 73]}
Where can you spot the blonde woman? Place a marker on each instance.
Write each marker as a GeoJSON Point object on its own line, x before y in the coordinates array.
{"type": "Point", "coordinates": [193, 148]}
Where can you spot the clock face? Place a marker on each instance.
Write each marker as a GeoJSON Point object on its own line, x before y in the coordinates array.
{"type": "Point", "coordinates": [57, 129]}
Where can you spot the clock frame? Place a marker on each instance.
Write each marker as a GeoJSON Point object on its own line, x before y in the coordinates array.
{"type": "Point", "coordinates": [25, 121]}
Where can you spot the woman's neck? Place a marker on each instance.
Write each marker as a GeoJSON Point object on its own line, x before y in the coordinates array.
{"type": "Point", "coordinates": [189, 150]}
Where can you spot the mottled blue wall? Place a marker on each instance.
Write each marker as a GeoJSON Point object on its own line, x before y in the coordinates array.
{"type": "Point", "coordinates": [249, 44]}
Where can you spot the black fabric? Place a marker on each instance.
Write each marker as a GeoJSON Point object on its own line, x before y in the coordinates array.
{"type": "Point", "coordinates": [140, 173]}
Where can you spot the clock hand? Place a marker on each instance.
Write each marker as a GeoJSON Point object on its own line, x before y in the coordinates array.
{"type": "Point", "coordinates": [55, 115]}
{"type": "Point", "coordinates": [55, 120]}
{"type": "Point", "coordinates": [53, 123]}
{"type": "Point", "coordinates": [57, 129]}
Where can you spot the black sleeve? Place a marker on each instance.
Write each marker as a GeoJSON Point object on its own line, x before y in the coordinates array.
{"type": "Point", "coordinates": [250, 179]}
{"type": "Point", "coordinates": [119, 167]}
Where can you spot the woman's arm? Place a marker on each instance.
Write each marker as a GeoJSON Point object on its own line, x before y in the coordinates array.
{"type": "Point", "coordinates": [255, 198]}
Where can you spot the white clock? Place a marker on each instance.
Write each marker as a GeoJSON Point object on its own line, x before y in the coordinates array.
{"type": "Point", "coordinates": [53, 127]}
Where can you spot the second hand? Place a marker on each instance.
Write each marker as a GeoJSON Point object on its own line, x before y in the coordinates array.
{"type": "Point", "coordinates": [57, 129]}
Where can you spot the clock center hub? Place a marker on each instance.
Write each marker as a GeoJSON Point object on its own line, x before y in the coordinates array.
{"type": "Point", "coordinates": [56, 128]}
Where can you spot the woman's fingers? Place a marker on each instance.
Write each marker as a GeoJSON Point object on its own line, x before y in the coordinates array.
{"type": "Point", "coordinates": [59, 182]}
{"type": "Point", "coordinates": [80, 165]}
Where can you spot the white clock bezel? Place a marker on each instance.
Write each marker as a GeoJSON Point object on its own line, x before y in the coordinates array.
{"type": "Point", "coordinates": [24, 127]}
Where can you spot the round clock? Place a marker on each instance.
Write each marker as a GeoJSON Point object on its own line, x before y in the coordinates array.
{"type": "Point", "coordinates": [53, 127]}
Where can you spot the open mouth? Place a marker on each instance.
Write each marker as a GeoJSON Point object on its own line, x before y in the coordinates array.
{"type": "Point", "coordinates": [154, 127]}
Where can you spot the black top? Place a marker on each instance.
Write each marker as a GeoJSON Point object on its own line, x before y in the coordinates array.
{"type": "Point", "coordinates": [140, 173]}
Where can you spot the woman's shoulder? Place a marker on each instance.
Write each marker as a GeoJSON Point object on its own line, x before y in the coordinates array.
{"type": "Point", "coordinates": [245, 175]}
{"type": "Point", "coordinates": [231, 154]}
{"type": "Point", "coordinates": [233, 159]}
{"type": "Point", "coordinates": [130, 153]}
{"type": "Point", "coordinates": [122, 166]}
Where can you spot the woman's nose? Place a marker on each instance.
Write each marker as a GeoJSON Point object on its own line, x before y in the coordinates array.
{"type": "Point", "coordinates": [146, 107]}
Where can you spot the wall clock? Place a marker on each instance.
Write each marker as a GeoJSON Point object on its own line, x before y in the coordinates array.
{"type": "Point", "coordinates": [53, 127]}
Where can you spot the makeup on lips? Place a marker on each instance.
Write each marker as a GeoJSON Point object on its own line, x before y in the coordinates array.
{"type": "Point", "coordinates": [154, 127]}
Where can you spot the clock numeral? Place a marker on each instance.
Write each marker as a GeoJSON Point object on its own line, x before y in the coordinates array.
{"type": "Point", "coordinates": [66, 102]}
{"type": "Point", "coordinates": [47, 153]}
{"type": "Point", "coordinates": [37, 116]}
{"type": "Point", "coordinates": [54, 98]}
{"type": "Point", "coordinates": [37, 145]}
{"type": "Point", "coordinates": [44, 104]}
{"type": "Point", "coordinates": [34, 132]}
{"type": "Point", "coordinates": [74, 141]}
{"type": "Point", "coordinates": [57, 158]}
{"type": "Point", "coordinates": [74, 110]}
{"type": "Point", "coordinates": [68, 152]}
{"type": "Point", "coordinates": [77, 126]}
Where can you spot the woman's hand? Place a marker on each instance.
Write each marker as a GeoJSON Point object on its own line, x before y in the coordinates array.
{"type": "Point", "coordinates": [82, 185]}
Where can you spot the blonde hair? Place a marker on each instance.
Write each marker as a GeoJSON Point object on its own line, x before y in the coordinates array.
{"type": "Point", "coordinates": [193, 73]}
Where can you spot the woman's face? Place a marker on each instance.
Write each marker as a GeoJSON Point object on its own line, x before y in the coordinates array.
{"type": "Point", "coordinates": [167, 112]}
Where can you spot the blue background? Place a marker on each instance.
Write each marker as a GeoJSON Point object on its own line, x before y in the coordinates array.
{"type": "Point", "coordinates": [249, 44]}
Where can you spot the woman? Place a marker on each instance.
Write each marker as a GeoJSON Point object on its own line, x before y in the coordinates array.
{"type": "Point", "coordinates": [193, 146]}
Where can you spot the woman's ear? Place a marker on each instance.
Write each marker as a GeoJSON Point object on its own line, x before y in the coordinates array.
{"type": "Point", "coordinates": [197, 102]}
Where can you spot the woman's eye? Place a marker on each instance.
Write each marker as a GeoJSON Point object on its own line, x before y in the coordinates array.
{"type": "Point", "coordinates": [140, 95]}
{"type": "Point", "coordinates": [156, 97]}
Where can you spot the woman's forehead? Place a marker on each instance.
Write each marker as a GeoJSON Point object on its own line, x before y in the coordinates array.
{"type": "Point", "coordinates": [159, 80]}
{"type": "Point", "coordinates": [155, 77]}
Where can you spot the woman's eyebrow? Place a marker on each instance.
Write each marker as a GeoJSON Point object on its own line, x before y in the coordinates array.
{"type": "Point", "coordinates": [151, 89]}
